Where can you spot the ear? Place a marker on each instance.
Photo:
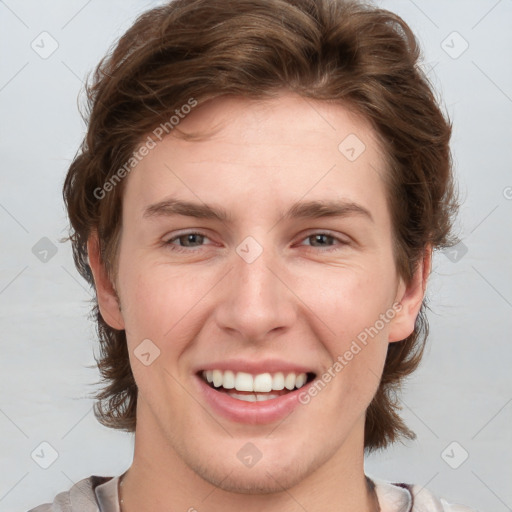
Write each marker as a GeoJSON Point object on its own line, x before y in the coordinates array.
{"type": "Point", "coordinates": [108, 301]}
{"type": "Point", "coordinates": [411, 297]}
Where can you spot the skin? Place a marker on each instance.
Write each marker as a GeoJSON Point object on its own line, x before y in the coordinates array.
{"type": "Point", "coordinates": [295, 302]}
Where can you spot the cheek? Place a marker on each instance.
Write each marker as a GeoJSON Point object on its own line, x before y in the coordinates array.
{"type": "Point", "coordinates": [353, 300]}
{"type": "Point", "coordinates": [357, 307]}
{"type": "Point", "coordinates": [160, 303]}
{"type": "Point", "coordinates": [358, 361]}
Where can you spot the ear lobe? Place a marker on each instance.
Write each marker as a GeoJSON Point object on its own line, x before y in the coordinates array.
{"type": "Point", "coordinates": [411, 297]}
{"type": "Point", "coordinates": [108, 301]}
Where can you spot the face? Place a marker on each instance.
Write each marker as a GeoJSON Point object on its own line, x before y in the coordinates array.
{"type": "Point", "coordinates": [274, 284]}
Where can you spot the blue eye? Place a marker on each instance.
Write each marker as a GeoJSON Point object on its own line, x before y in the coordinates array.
{"type": "Point", "coordinates": [187, 238]}
{"type": "Point", "coordinates": [192, 240]}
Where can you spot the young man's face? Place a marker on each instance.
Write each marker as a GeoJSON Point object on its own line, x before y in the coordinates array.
{"type": "Point", "coordinates": [258, 292]}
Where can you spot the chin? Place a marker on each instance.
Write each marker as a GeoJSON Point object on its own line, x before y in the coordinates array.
{"type": "Point", "coordinates": [275, 472]}
{"type": "Point", "coordinates": [262, 480]}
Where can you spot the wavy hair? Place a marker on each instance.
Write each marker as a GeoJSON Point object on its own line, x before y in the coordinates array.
{"type": "Point", "coordinates": [345, 51]}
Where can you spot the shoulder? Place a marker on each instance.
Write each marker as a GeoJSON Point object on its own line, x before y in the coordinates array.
{"type": "Point", "coordinates": [403, 497]}
{"type": "Point", "coordinates": [79, 498]}
{"type": "Point", "coordinates": [425, 500]}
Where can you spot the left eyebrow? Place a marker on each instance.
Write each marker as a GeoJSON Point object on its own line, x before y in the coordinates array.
{"type": "Point", "coordinates": [327, 208]}
{"type": "Point", "coordinates": [303, 210]}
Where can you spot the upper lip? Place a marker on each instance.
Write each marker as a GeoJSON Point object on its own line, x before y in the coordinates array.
{"type": "Point", "coordinates": [256, 367]}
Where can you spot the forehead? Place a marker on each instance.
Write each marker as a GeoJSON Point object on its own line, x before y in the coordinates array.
{"type": "Point", "coordinates": [282, 148]}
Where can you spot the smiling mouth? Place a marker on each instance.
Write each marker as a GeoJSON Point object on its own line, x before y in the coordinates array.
{"type": "Point", "coordinates": [255, 388]}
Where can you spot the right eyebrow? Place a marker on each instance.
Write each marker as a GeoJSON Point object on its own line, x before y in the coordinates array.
{"type": "Point", "coordinates": [171, 207]}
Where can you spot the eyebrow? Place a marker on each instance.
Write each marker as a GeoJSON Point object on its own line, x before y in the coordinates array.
{"type": "Point", "coordinates": [300, 210]}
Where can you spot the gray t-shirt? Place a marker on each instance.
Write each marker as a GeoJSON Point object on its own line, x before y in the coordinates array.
{"type": "Point", "coordinates": [101, 494]}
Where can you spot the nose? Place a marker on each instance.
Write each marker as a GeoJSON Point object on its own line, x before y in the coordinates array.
{"type": "Point", "coordinates": [255, 302]}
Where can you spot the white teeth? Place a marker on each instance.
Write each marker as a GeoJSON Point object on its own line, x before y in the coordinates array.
{"type": "Point", "coordinates": [301, 380]}
{"type": "Point", "coordinates": [244, 382]}
{"type": "Point", "coordinates": [261, 383]}
{"type": "Point", "coordinates": [245, 398]}
{"type": "Point", "coordinates": [217, 378]}
{"type": "Point", "coordinates": [229, 380]}
{"type": "Point", "coordinates": [289, 381]}
{"type": "Point", "coordinates": [278, 381]}
{"type": "Point", "coordinates": [267, 396]}
{"type": "Point", "coordinates": [253, 398]}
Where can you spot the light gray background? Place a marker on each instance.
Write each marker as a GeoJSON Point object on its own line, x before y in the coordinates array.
{"type": "Point", "coordinates": [462, 393]}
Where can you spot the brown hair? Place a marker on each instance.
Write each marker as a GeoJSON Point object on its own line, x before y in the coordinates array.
{"type": "Point", "coordinates": [344, 51]}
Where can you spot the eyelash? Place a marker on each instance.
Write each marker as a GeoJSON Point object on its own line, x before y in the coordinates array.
{"type": "Point", "coordinates": [177, 248]}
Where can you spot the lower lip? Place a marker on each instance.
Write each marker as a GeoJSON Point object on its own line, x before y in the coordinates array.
{"type": "Point", "coordinates": [255, 413]}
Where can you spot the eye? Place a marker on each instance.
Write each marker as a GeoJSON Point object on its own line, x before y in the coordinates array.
{"type": "Point", "coordinates": [324, 240]}
{"type": "Point", "coordinates": [186, 240]}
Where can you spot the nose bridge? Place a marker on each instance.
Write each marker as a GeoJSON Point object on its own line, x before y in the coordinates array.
{"type": "Point", "coordinates": [255, 300]}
